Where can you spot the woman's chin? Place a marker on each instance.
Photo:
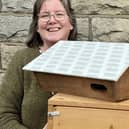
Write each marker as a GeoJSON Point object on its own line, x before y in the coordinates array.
{"type": "Point", "coordinates": [53, 41]}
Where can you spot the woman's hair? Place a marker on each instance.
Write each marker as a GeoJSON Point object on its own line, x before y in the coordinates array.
{"type": "Point", "coordinates": [34, 39]}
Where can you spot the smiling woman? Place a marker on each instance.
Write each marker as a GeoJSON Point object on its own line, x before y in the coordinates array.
{"type": "Point", "coordinates": [21, 99]}
{"type": "Point", "coordinates": [54, 29]}
{"type": "Point", "coordinates": [39, 29]}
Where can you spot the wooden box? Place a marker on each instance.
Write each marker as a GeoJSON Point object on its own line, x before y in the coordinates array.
{"type": "Point", "coordinates": [89, 69]}
{"type": "Point", "coordinates": [74, 112]}
{"type": "Point", "coordinates": [86, 87]}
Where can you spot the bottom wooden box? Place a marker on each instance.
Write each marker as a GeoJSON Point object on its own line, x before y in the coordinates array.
{"type": "Point", "coordinates": [74, 112]}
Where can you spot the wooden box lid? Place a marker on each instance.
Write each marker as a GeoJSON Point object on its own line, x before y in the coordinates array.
{"type": "Point", "coordinates": [91, 69]}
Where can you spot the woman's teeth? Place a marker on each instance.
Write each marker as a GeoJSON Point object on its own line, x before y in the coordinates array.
{"type": "Point", "coordinates": [53, 29]}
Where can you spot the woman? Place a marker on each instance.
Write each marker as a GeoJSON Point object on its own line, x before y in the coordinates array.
{"type": "Point", "coordinates": [23, 105]}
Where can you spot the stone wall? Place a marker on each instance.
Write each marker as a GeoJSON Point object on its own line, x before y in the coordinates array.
{"type": "Point", "coordinates": [97, 20]}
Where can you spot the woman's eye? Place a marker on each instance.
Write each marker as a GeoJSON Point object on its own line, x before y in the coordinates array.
{"type": "Point", "coordinates": [45, 16]}
{"type": "Point", "coordinates": [60, 14]}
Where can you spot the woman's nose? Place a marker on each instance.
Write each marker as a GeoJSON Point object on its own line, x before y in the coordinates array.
{"type": "Point", "coordinates": [52, 18]}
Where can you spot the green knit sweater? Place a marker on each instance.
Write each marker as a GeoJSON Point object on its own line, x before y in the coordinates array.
{"type": "Point", "coordinates": [23, 105]}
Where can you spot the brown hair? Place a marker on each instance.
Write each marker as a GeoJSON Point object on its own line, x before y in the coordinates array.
{"type": "Point", "coordinates": [34, 39]}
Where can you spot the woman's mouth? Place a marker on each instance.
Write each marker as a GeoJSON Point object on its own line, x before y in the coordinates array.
{"type": "Point", "coordinates": [53, 29]}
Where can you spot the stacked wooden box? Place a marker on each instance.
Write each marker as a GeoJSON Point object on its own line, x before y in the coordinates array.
{"type": "Point", "coordinates": [74, 112]}
{"type": "Point", "coordinates": [87, 69]}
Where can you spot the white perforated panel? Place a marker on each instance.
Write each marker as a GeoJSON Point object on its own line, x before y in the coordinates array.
{"type": "Point", "coordinates": [99, 60]}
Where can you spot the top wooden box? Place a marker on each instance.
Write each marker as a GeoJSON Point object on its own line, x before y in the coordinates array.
{"type": "Point", "coordinates": [91, 69]}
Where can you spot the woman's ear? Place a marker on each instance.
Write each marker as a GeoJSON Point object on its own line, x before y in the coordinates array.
{"type": "Point", "coordinates": [37, 29]}
{"type": "Point", "coordinates": [71, 27]}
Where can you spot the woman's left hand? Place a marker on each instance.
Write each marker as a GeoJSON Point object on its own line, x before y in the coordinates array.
{"type": "Point", "coordinates": [45, 127]}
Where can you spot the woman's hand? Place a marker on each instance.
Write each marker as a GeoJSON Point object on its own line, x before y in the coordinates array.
{"type": "Point", "coordinates": [45, 127]}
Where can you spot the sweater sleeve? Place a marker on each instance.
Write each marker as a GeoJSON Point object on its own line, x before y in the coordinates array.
{"type": "Point", "coordinates": [11, 94]}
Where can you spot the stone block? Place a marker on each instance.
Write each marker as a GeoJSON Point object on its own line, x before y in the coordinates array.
{"type": "Point", "coordinates": [7, 51]}
{"type": "Point", "coordinates": [0, 5]}
{"type": "Point", "coordinates": [2, 73]}
{"type": "Point", "coordinates": [14, 28]}
{"type": "Point", "coordinates": [83, 28]}
{"type": "Point", "coordinates": [110, 29]}
{"type": "Point", "coordinates": [101, 6]}
{"type": "Point", "coordinates": [17, 5]}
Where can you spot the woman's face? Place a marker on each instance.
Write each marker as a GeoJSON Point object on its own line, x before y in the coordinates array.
{"type": "Point", "coordinates": [53, 22]}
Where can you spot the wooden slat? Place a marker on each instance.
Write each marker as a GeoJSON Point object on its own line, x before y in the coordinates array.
{"type": "Point", "coordinates": [76, 101]}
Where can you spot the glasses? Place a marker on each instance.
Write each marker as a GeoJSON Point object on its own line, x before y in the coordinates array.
{"type": "Point", "coordinates": [46, 16]}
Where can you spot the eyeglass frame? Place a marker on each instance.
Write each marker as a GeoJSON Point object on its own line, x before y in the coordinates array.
{"type": "Point", "coordinates": [49, 15]}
